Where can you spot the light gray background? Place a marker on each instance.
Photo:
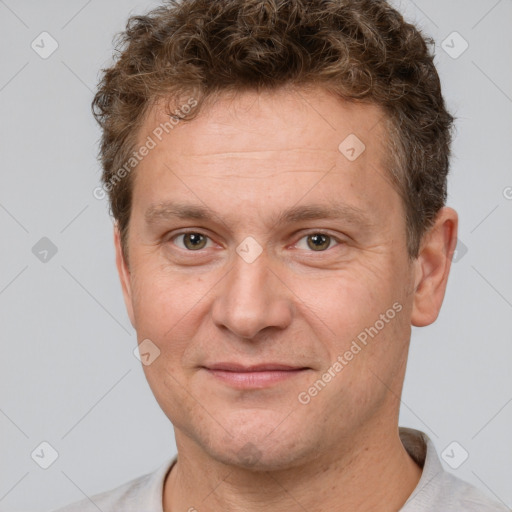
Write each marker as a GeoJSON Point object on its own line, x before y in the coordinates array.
{"type": "Point", "coordinates": [68, 374]}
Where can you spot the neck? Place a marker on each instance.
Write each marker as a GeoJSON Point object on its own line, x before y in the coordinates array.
{"type": "Point", "coordinates": [367, 473]}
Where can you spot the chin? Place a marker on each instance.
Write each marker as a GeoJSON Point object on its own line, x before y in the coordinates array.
{"type": "Point", "coordinates": [261, 446]}
{"type": "Point", "coordinates": [258, 458]}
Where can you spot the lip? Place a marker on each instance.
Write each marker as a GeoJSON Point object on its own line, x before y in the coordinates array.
{"type": "Point", "coordinates": [254, 376]}
{"type": "Point", "coordinates": [239, 368]}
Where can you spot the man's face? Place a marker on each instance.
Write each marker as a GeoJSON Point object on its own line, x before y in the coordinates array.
{"type": "Point", "coordinates": [333, 263]}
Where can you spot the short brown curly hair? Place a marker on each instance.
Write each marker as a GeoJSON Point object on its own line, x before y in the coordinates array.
{"type": "Point", "coordinates": [361, 50]}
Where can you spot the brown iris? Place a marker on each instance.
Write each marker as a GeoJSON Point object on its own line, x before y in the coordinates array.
{"type": "Point", "coordinates": [194, 241]}
{"type": "Point", "coordinates": [318, 242]}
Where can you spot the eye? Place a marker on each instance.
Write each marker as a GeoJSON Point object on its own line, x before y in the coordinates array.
{"type": "Point", "coordinates": [191, 241]}
{"type": "Point", "coordinates": [318, 242]}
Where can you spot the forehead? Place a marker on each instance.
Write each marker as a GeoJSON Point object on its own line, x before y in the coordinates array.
{"type": "Point", "coordinates": [264, 149]}
{"type": "Point", "coordinates": [272, 118]}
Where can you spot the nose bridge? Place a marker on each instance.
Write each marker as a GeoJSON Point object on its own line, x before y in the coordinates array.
{"type": "Point", "coordinates": [251, 298]}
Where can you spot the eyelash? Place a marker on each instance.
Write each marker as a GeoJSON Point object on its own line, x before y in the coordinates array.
{"type": "Point", "coordinates": [318, 232]}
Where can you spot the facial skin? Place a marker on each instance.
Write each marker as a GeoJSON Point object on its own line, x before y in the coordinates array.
{"type": "Point", "coordinates": [249, 159]}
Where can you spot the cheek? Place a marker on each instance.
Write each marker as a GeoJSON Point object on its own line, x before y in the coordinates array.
{"type": "Point", "coordinates": [162, 300]}
{"type": "Point", "coordinates": [172, 311]}
{"type": "Point", "coordinates": [170, 390]}
{"type": "Point", "coordinates": [364, 320]}
{"type": "Point", "coordinates": [346, 302]}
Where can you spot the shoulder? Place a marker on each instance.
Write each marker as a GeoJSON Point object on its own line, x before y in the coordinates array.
{"type": "Point", "coordinates": [447, 493]}
{"type": "Point", "coordinates": [439, 490]}
{"type": "Point", "coordinates": [143, 491]}
{"type": "Point", "coordinates": [110, 501]}
{"type": "Point", "coordinates": [462, 496]}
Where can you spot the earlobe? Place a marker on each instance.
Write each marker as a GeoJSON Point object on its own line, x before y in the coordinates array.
{"type": "Point", "coordinates": [124, 275]}
{"type": "Point", "coordinates": [433, 267]}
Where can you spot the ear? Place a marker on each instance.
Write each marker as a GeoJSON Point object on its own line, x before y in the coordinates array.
{"type": "Point", "coordinates": [124, 275]}
{"type": "Point", "coordinates": [433, 266]}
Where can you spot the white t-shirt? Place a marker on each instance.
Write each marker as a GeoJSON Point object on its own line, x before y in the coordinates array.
{"type": "Point", "coordinates": [437, 490]}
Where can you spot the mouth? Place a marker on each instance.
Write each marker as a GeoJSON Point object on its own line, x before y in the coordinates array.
{"type": "Point", "coordinates": [254, 376]}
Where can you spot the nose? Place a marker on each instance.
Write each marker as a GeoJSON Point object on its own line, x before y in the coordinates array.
{"type": "Point", "coordinates": [252, 298]}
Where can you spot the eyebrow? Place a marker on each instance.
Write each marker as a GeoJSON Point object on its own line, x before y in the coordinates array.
{"type": "Point", "coordinates": [169, 210]}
